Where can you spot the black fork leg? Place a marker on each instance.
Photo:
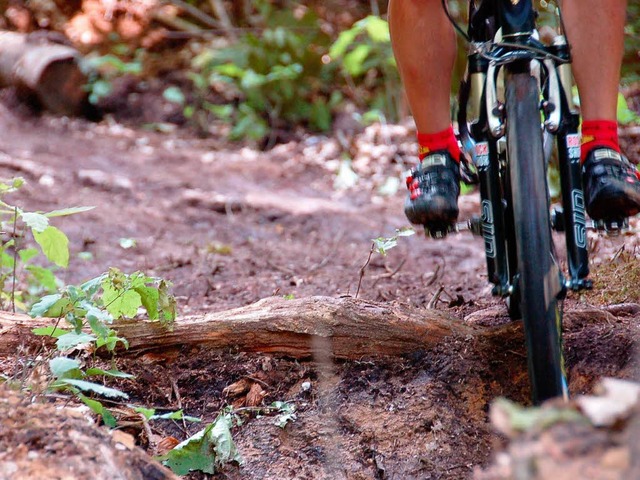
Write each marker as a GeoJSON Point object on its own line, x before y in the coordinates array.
{"type": "Point", "coordinates": [574, 215]}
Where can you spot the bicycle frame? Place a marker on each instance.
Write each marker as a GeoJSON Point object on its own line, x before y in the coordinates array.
{"type": "Point", "coordinates": [504, 41]}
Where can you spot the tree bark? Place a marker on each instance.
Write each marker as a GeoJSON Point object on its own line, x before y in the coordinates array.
{"type": "Point", "coordinates": [344, 328]}
{"type": "Point", "coordinates": [43, 70]}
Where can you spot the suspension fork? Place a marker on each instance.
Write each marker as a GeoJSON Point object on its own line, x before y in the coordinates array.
{"type": "Point", "coordinates": [493, 214]}
{"type": "Point", "coordinates": [573, 204]}
{"type": "Point", "coordinates": [483, 148]}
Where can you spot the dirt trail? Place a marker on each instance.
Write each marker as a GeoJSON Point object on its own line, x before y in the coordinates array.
{"type": "Point", "coordinates": [229, 226]}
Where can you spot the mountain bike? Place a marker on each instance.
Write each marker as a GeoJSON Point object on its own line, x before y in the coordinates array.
{"type": "Point", "coordinates": [514, 101]}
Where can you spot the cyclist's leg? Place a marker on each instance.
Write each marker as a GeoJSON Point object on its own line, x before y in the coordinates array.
{"type": "Point", "coordinates": [595, 29]}
{"type": "Point", "coordinates": [424, 45]}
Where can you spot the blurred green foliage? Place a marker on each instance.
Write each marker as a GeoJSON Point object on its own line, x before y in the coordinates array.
{"type": "Point", "coordinates": [631, 65]}
{"type": "Point", "coordinates": [290, 73]}
{"type": "Point", "coordinates": [290, 66]}
{"type": "Point", "coordinates": [277, 76]}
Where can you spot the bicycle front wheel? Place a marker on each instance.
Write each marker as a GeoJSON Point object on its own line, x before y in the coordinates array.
{"type": "Point", "coordinates": [538, 275]}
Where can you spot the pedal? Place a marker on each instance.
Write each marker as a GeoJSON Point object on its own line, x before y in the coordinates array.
{"type": "Point", "coordinates": [440, 232]}
{"type": "Point", "coordinates": [612, 227]}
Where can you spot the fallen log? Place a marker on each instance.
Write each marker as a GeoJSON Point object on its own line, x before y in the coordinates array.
{"type": "Point", "coordinates": [344, 327]}
{"type": "Point", "coordinates": [44, 71]}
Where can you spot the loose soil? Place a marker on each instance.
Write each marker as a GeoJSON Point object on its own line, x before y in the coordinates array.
{"type": "Point", "coordinates": [230, 225]}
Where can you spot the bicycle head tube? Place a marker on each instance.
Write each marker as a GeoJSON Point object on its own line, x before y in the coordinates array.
{"type": "Point", "coordinates": [517, 17]}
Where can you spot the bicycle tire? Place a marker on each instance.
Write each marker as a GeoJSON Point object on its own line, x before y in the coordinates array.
{"type": "Point", "coordinates": [538, 274]}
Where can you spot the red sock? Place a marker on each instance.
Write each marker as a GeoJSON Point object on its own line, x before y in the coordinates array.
{"type": "Point", "coordinates": [598, 133]}
{"type": "Point", "coordinates": [444, 140]}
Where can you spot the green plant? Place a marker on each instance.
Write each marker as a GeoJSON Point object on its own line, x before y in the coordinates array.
{"type": "Point", "coordinates": [21, 277]}
{"type": "Point", "coordinates": [101, 300]}
{"type": "Point", "coordinates": [383, 244]}
{"type": "Point", "coordinates": [95, 304]}
{"type": "Point", "coordinates": [365, 57]}
{"type": "Point", "coordinates": [70, 377]}
{"type": "Point", "coordinates": [208, 449]}
{"type": "Point", "coordinates": [101, 70]}
{"type": "Point", "coordinates": [278, 76]}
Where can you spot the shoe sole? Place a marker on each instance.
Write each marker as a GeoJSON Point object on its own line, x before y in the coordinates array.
{"type": "Point", "coordinates": [614, 204]}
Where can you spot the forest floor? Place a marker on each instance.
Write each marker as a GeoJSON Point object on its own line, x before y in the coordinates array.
{"type": "Point", "coordinates": [230, 225]}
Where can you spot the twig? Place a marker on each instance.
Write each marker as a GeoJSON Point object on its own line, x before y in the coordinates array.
{"type": "Point", "coordinates": [618, 253]}
{"type": "Point", "coordinates": [253, 379]}
{"type": "Point", "coordinates": [434, 277]}
{"type": "Point", "coordinates": [196, 13]}
{"type": "Point", "coordinates": [431, 305]}
{"type": "Point", "coordinates": [147, 431]}
{"type": "Point", "coordinates": [389, 274]}
{"type": "Point", "coordinates": [363, 268]}
{"type": "Point", "coordinates": [176, 392]}
{"type": "Point", "coordinates": [221, 13]}
{"type": "Point", "coordinates": [177, 23]}
{"type": "Point", "coordinates": [15, 260]}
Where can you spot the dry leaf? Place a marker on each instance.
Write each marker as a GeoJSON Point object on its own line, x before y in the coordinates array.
{"type": "Point", "coordinates": [166, 444]}
{"type": "Point", "coordinates": [255, 395]}
{"type": "Point", "coordinates": [238, 388]}
{"type": "Point", "coordinates": [123, 438]}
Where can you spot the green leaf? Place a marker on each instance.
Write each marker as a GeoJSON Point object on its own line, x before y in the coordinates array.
{"type": "Point", "coordinates": [53, 306]}
{"type": "Point", "coordinates": [149, 296]}
{"type": "Point", "coordinates": [405, 232]}
{"type": "Point", "coordinates": [383, 245]}
{"type": "Point", "coordinates": [99, 89]}
{"type": "Point", "coordinates": [73, 339]}
{"type": "Point", "coordinates": [230, 70]}
{"type": "Point", "coordinates": [378, 29]}
{"type": "Point", "coordinates": [90, 372]}
{"type": "Point", "coordinates": [44, 277]}
{"type": "Point", "coordinates": [204, 451]}
{"type": "Point", "coordinates": [167, 305]}
{"type": "Point", "coordinates": [354, 61]}
{"type": "Point", "coordinates": [625, 114]}
{"type": "Point", "coordinates": [96, 388]}
{"type": "Point", "coordinates": [111, 341]}
{"type": "Point", "coordinates": [54, 244]}
{"type": "Point", "coordinates": [344, 41]}
{"type": "Point", "coordinates": [177, 415]}
{"type": "Point", "coordinates": [119, 302]}
{"type": "Point", "coordinates": [252, 79]}
{"type": "Point", "coordinates": [97, 407]}
{"type": "Point", "coordinates": [174, 95]}
{"type": "Point", "coordinates": [62, 367]}
{"type": "Point", "coordinates": [98, 320]}
{"type": "Point", "coordinates": [35, 221]}
{"type": "Point", "coordinates": [147, 412]}
{"type": "Point", "coordinates": [67, 211]}
{"type": "Point", "coordinates": [91, 287]}
{"type": "Point", "coordinates": [27, 254]}
{"type": "Point", "coordinates": [51, 331]}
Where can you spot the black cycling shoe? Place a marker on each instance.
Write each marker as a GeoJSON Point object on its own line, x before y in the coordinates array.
{"type": "Point", "coordinates": [611, 187]}
{"type": "Point", "coordinates": [434, 186]}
